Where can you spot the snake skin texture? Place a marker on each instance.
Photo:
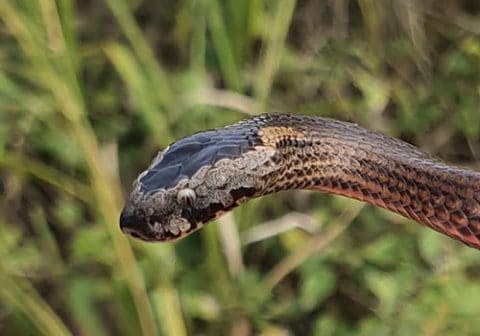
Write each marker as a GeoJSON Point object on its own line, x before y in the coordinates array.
{"type": "Point", "coordinates": [200, 177]}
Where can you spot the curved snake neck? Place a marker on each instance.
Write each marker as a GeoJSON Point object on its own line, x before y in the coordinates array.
{"type": "Point", "coordinates": [272, 152]}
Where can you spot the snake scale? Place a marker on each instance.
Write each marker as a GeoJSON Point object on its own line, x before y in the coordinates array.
{"type": "Point", "coordinates": [202, 176]}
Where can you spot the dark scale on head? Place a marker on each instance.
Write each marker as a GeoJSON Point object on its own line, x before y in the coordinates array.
{"type": "Point", "coordinates": [185, 157]}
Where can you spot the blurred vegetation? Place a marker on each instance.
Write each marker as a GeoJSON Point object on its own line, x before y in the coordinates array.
{"type": "Point", "coordinates": [90, 90]}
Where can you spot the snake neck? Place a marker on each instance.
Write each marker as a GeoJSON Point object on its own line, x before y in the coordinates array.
{"type": "Point", "coordinates": [342, 158]}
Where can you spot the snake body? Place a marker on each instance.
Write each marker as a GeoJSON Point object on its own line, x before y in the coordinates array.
{"type": "Point", "coordinates": [200, 177]}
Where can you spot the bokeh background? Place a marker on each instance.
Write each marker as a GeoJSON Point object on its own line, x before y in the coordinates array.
{"type": "Point", "coordinates": [91, 90]}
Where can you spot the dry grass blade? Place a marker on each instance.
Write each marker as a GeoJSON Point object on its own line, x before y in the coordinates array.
{"type": "Point", "coordinates": [292, 220]}
{"type": "Point", "coordinates": [312, 246]}
{"type": "Point", "coordinates": [231, 244]}
{"type": "Point", "coordinates": [168, 305]}
{"type": "Point", "coordinates": [224, 98]}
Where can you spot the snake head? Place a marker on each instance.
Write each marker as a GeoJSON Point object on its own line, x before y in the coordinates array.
{"type": "Point", "coordinates": [194, 181]}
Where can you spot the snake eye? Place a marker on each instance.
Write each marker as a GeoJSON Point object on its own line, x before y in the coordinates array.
{"type": "Point", "coordinates": [186, 197]}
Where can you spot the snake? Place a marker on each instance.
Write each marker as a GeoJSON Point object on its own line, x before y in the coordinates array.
{"type": "Point", "coordinates": [200, 177]}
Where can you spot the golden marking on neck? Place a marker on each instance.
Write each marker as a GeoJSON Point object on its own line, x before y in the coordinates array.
{"type": "Point", "coordinates": [273, 135]}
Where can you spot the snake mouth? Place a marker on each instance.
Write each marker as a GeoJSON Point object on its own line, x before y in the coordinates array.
{"type": "Point", "coordinates": [135, 234]}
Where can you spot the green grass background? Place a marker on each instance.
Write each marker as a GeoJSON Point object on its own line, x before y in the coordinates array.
{"type": "Point", "coordinates": [90, 90]}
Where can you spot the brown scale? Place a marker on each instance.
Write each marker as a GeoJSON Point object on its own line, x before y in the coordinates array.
{"type": "Point", "coordinates": [344, 159]}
